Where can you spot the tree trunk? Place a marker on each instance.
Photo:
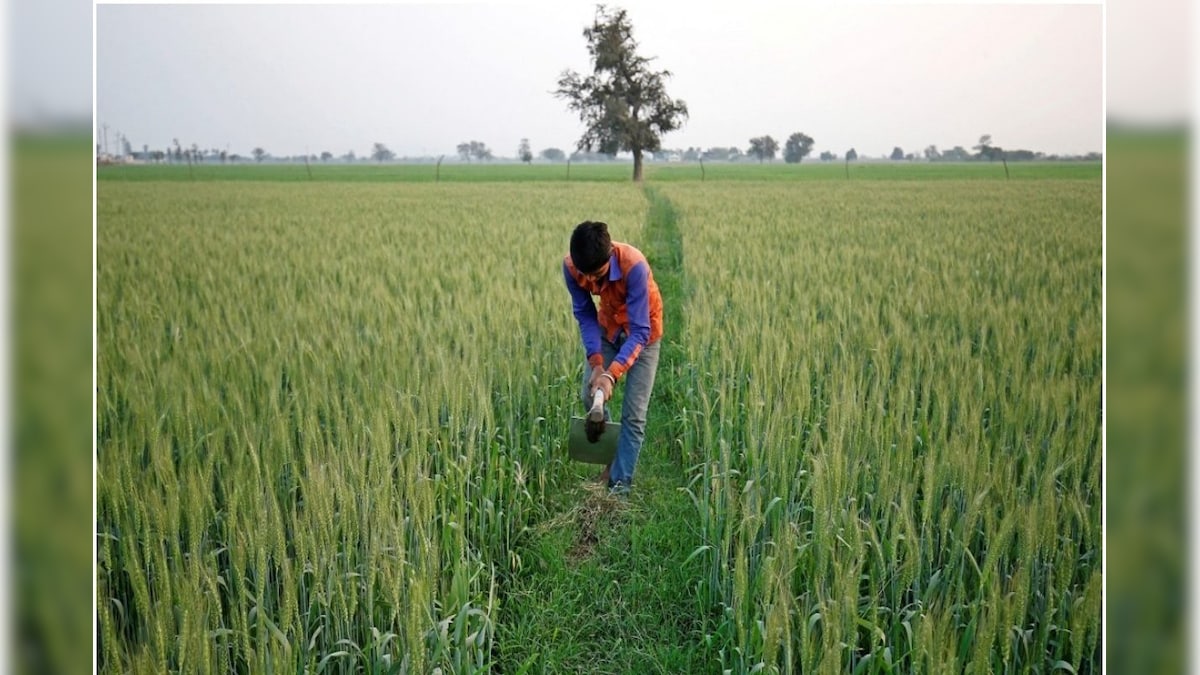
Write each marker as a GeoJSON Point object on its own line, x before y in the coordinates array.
{"type": "Point", "coordinates": [637, 165]}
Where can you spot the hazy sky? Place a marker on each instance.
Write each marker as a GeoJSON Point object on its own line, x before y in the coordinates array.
{"type": "Point", "coordinates": [1150, 58]}
{"type": "Point", "coordinates": [1149, 75]}
{"type": "Point", "coordinates": [49, 66]}
{"type": "Point", "coordinates": [423, 78]}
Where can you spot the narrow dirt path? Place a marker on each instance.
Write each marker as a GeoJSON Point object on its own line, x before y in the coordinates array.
{"type": "Point", "coordinates": [609, 587]}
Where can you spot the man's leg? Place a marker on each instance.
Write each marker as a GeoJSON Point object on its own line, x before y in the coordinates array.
{"type": "Point", "coordinates": [639, 383]}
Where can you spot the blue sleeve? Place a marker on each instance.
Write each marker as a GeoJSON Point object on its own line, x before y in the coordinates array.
{"type": "Point", "coordinates": [585, 314]}
{"type": "Point", "coordinates": [637, 307]}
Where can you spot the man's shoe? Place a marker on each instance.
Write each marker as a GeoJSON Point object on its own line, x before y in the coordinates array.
{"type": "Point", "coordinates": [619, 490]}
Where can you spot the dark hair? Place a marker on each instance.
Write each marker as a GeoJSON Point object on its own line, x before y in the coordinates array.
{"type": "Point", "coordinates": [590, 246]}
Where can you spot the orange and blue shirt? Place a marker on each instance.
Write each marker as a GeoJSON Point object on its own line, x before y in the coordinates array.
{"type": "Point", "coordinates": [629, 302]}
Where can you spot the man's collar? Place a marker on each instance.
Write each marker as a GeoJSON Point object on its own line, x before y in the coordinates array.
{"type": "Point", "coordinates": [614, 267]}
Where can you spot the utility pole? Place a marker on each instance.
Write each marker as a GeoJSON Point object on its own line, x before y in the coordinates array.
{"type": "Point", "coordinates": [105, 137]}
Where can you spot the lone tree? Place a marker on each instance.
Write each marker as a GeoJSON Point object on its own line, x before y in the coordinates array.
{"type": "Point", "coordinates": [381, 153]}
{"type": "Point", "coordinates": [986, 149]}
{"type": "Point", "coordinates": [991, 152]}
{"type": "Point", "coordinates": [477, 149]}
{"type": "Point", "coordinates": [524, 152]}
{"type": "Point", "coordinates": [623, 102]}
{"type": "Point", "coordinates": [797, 148]}
{"type": "Point", "coordinates": [763, 147]}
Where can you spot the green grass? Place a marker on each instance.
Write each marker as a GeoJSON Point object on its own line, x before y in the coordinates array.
{"type": "Point", "coordinates": [895, 422]}
{"type": "Point", "coordinates": [1147, 282]}
{"type": "Point", "coordinates": [321, 416]}
{"type": "Point", "coordinates": [50, 428]}
{"type": "Point", "coordinates": [611, 583]}
{"type": "Point", "coordinates": [614, 172]}
{"type": "Point", "coordinates": [330, 420]}
{"type": "Point", "coordinates": [873, 171]}
{"type": "Point", "coordinates": [608, 587]}
{"type": "Point", "coordinates": [368, 173]}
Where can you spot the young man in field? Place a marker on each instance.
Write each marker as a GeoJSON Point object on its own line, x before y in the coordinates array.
{"type": "Point", "coordinates": [621, 340]}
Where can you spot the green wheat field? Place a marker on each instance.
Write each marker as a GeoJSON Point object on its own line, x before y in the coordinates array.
{"type": "Point", "coordinates": [331, 415]}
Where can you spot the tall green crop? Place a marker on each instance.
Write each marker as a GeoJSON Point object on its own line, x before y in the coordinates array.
{"type": "Point", "coordinates": [896, 430]}
{"type": "Point", "coordinates": [323, 413]}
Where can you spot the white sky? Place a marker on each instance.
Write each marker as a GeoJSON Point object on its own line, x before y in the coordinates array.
{"type": "Point", "coordinates": [423, 78]}
{"type": "Point", "coordinates": [49, 66]}
{"type": "Point", "coordinates": [1149, 49]}
{"type": "Point", "coordinates": [1150, 55]}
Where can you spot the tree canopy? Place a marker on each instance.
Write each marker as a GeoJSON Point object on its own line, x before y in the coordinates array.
{"type": "Point", "coordinates": [623, 102]}
{"type": "Point", "coordinates": [987, 150]}
{"type": "Point", "coordinates": [763, 147]}
{"type": "Point", "coordinates": [477, 149]}
{"type": "Point", "coordinates": [797, 147]}
{"type": "Point", "coordinates": [380, 153]}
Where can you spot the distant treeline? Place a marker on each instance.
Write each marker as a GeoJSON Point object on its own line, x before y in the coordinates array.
{"type": "Point", "coordinates": [380, 153]}
{"type": "Point", "coordinates": [931, 154]}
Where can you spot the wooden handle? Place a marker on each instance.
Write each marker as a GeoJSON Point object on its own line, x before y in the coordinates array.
{"type": "Point", "coordinates": [596, 414]}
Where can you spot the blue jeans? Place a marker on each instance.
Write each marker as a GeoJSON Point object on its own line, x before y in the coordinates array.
{"type": "Point", "coordinates": [639, 382]}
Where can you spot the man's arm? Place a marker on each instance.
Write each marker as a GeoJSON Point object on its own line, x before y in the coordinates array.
{"type": "Point", "coordinates": [585, 315]}
{"type": "Point", "coordinates": [637, 305]}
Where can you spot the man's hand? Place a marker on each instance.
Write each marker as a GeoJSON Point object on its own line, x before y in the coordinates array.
{"type": "Point", "coordinates": [604, 382]}
{"type": "Point", "coordinates": [594, 380]}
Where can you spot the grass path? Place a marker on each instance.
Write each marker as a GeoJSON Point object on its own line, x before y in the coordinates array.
{"type": "Point", "coordinates": [607, 586]}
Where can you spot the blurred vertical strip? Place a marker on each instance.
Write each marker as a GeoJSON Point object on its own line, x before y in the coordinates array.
{"type": "Point", "coordinates": [1150, 79]}
{"type": "Point", "coordinates": [1146, 461]}
{"type": "Point", "coordinates": [49, 50]}
{"type": "Point", "coordinates": [52, 421]}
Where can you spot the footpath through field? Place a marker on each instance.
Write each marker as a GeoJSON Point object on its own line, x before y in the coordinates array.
{"type": "Point", "coordinates": [607, 586]}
